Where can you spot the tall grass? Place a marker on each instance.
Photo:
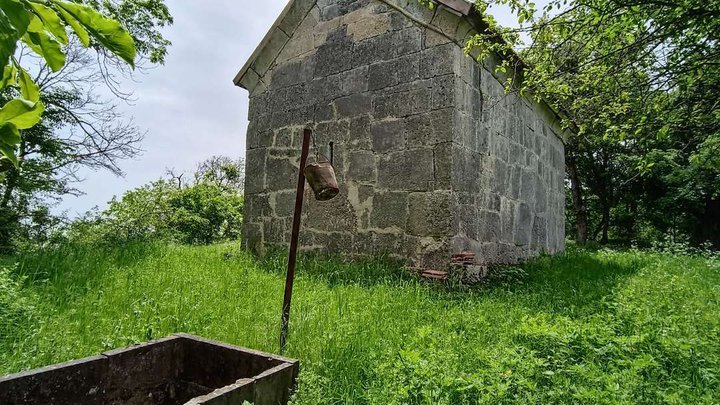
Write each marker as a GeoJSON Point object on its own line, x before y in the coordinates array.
{"type": "Point", "coordinates": [586, 327]}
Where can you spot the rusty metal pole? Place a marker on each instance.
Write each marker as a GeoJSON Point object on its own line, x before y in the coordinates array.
{"type": "Point", "coordinates": [292, 256]}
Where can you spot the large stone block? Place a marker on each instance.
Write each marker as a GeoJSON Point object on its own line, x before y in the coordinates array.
{"type": "Point", "coordinates": [296, 15]}
{"type": "Point", "coordinates": [408, 40]}
{"type": "Point", "coordinates": [507, 220]}
{"type": "Point", "coordinates": [360, 133]}
{"type": "Point", "coordinates": [527, 186]}
{"type": "Point", "coordinates": [382, 75]}
{"type": "Point", "coordinates": [258, 106]}
{"type": "Point", "coordinates": [276, 230]}
{"type": "Point", "coordinates": [361, 166]}
{"type": "Point", "coordinates": [443, 92]}
{"type": "Point", "coordinates": [410, 170]}
{"type": "Point", "coordinates": [281, 174]}
{"type": "Point", "coordinates": [393, 72]}
{"type": "Point", "coordinates": [355, 81]}
{"type": "Point", "coordinates": [331, 131]}
{"type": "Point", "coordinates": [293, 73]}
{"type": "Point", "coordinates": [500, 177]}
{"type": "Point", "coordinates": [370, 26]}
{"type": "Point", "coordinates": [430, 214]}
{"type": "Point", "coordinates": [389, 210]}
{"type": "Point", "coordinates": [288, 98]}
{"type": "Point", "coordinates": [434, 61]}
{"type": "Point", "coordinates": [515, 173]}
{"type": "Point", "coordinates": [283, 203]}
{"type": "Point", "coordinates": [255, 170]}
{"type": "Point", "coordinates": [253, 237]}
{"type": "Point", "coordinates": [490, 226]}
{"type": "Point", "coordinates": [467, 170]}
{"type": "Point", "coordinates": [446, 21]}
{"type": "Point", "coordinates": [276, 41]}
{"type": "Point", "coordinates": [286, 118]}
{"type": "Point", "coordinates": [257, 138]}
{"type": "Point", "coordinates": [335, 55]}
{"type": "Point", "coordinates": [388, 135]}
{"type": "Point", "coordinates": [443, 166]}
{"type": "Point", "coordinates": [374, 50]}
{"type": "Point", "coordinates": [539, 233]}
{"type": "Point", "coordinates": [353, 105]}
{"type": "Point", "coordinates": [336, 215]}
{"type": "Point", "coordinates": [401, 104]}
{"type": "Point", "coordinates": [283, 137]}
{"type": "Point", "coordinates": [430, 128]}
{"type": "Point", "coordinates": [467, 220]}
{"type": "Point", "coordinates": [523, 224]}
{"type": "Point", "coordinates": [325, 89]}
{"type": "Point", "coordinates": [540, 197]}
{"type": "Point", "coordinates": [257, 205]}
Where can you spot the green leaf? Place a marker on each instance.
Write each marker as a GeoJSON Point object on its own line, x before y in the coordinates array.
{"type": "Point", "coordinates": [28, 88]}
{"type": "Point", "coordinates": [8, 77]}
{"type": "Point", "coordinates": [76, 26]}
{"type": "Point", "coordinates": [105, 30]}
{"type": "Point", "coordinates": [40, 42]}
{"type": "Point", "coordinates": [14, 21]}
{"type": "Point", "coordinates": [8, 39]}
{"type": "Point", "coordinates": [9, 153]}
{"type": "Point", "coordinates": [18, 15]}
{"type": "Point", "coordinates": [23, 114]}
{"type": "Point", "coordinates": [52, 22]}
{"type": "Point", "coordinates": [9, 133]}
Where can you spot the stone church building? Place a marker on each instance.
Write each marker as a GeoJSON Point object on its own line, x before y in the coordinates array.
{"type": "Point", "coordinates": [432, 157]}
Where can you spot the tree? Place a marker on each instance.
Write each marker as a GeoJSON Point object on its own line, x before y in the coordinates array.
{"type": "Point", "coordinates": [638, 79]}
{"type": "Point", "coordinates": [79, 128]}
{"type": "Point", "coordinates": [227, 173]}
{"type": "Point", "coordinates": [42, 26]}
{"type": "Point", "coordinates": [203, 211]}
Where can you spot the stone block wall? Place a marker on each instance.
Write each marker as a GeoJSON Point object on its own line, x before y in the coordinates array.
{"type": "Point", "coordinates": [431, 156]}
{"type": "Point", "coordinates": [509, 172]}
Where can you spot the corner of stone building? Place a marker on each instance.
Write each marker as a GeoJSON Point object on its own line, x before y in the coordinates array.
{"type": "Point", "coordinates": [433, 159]}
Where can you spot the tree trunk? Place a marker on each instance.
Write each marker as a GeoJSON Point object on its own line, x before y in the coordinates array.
{"type": "Point", "coordinates": [10, 180]}
{"type": "Point", "coordinates": [8, 219]}
{"type": "Point", "coordinates": [605, 222]}
{"type": "Point", "coordinates": [578, 201]}
{"type": "Point", "coordinates": [710, 223]}
{"type": "Point", "coordinates": [8, 215]}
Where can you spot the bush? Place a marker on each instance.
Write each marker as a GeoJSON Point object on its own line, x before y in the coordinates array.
{"type": "Point", "coordinates": [205, 213]}
{"type": "Point", "coordinates": [201, 213]}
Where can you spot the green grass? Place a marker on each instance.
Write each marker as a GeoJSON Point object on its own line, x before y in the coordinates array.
{"type": "Point", "coordinates": [587, 327]}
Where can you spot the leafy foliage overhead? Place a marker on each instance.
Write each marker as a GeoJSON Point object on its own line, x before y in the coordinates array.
{"type": "Point", "coordinates": [42, 25]}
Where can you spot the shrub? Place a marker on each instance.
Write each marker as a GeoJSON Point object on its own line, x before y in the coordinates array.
{"type": "Point", "coordinates": [205, 213]}
{"type": "Point", "coordinates": [200, 213]}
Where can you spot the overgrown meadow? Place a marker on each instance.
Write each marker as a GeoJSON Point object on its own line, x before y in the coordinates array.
{"type": "Point", "coordinates": [587, 327]}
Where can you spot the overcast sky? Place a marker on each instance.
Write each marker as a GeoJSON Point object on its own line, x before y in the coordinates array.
{"type": "Point", "coordinates": [190, 107]}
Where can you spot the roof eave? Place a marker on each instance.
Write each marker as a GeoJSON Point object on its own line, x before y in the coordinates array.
{"type": "Point", "coordinates": [277, 25]}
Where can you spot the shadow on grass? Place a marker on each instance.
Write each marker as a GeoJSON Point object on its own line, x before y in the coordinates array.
{"type": "Point", "coordinates": [335, 271]}
{"type": "Point", "coordinates": [577, 283]}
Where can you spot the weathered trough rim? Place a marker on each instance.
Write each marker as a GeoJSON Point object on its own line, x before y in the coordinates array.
{"type": "Point", "coordinates": [174, 337]}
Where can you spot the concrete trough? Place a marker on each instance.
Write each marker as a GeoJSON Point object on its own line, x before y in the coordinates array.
{"type": "Point", "coordinates": [180, 369]}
